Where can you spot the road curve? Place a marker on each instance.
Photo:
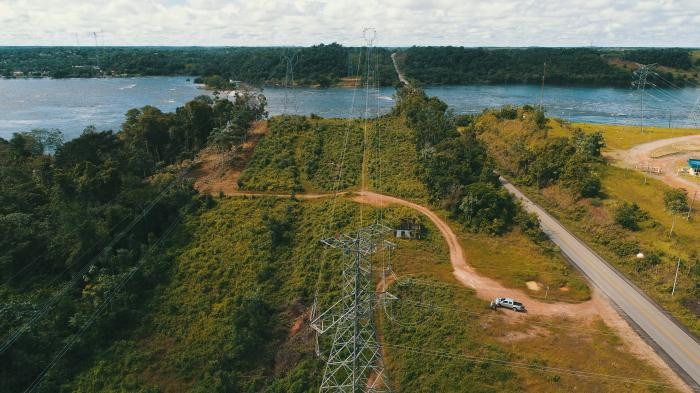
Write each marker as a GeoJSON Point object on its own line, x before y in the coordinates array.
{"type": "Point", "coordinates": [642, 154]}
{"type": "Point", "coordinates": [678, 345]}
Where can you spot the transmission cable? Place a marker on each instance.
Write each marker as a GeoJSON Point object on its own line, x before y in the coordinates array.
{"type": "Point", "coordinates": [74, 338]}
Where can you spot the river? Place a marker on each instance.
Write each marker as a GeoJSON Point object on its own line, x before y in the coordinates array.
{"type": "Point", "coordinates": [72, 104]}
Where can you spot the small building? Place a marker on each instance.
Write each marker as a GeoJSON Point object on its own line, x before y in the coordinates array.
{"type": "Point", "coordinates": [409, 229]}
{"type": "Point", "coordinates": [694, 165]}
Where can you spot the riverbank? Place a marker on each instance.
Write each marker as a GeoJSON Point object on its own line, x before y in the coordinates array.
{"type": "Point", "coordinates": [72, 104]}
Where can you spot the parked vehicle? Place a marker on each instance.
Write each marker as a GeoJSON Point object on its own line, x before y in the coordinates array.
{"type": "Point", "coordinates": [507, 302]}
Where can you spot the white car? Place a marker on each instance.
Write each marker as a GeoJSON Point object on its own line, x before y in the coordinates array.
{"type": "Point", "coordinates": [507, 302]}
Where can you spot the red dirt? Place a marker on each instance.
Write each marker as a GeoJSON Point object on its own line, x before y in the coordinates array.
{"type": "Point", "coordinates": [487, 289]}
{"type": "Point", "coordinates": [211, 178]}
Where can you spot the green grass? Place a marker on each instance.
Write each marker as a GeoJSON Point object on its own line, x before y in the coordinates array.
{"type": "Point", "coordinates": [393, 160]}
{"type": "Point", "coordinates": [595, 224]}
{"type": "Point", "coordinates": [200, 335]}
{"type": "Point", "coordinates": [440, 337]}
{"type": "Point", "coordinates": [513, 260]}
{"type": "Point", "coordinates": [304, 155]}
{"type": "Point", "coordinates": [619, 137]}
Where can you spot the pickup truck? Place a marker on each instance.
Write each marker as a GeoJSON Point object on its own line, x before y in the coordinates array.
{"type": "Point", "coordinates": [507, 302]}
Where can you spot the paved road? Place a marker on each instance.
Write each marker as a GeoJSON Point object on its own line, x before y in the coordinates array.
{"type": "Point", "coordinates": [676, 343]}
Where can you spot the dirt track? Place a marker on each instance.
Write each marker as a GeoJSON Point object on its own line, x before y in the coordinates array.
{"type": "Point", "coordinates": [487, 289]}
{"type": "Point", "coordinates": [641, 154]}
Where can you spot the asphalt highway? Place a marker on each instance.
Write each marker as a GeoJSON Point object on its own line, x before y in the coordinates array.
{"type": "Point", "coordinates": [678, 345]}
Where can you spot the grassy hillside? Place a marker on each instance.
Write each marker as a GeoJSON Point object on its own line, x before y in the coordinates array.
{"type": "Point", "coordinates": [230, 316]}
{"type": "Point", "coordinates": [303, 154]}
{"type": "Point", "coordinates": [593, 217]}
{"type": "Point", "coordinates": [619, 136]}
{"type": "Point", "coordinates": [225, 318]}
{"type": "Point", "coordinates": [231, 312]}
{"type": "Point", "coordinates": [393, 161]}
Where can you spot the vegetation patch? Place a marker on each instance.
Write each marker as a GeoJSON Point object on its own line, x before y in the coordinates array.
{"type": "Point", "coordinates": [303, 154]}
{"type": "Point", "coordinates": [619, 137]}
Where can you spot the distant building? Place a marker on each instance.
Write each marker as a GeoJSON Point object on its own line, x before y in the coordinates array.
{"type": "Point", "coordinates": [409, 229]}
{"type": "Point", "coordinates": [694, 165]}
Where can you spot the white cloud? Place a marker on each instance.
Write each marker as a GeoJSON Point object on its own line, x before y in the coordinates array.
{"type": "Point", "coordinates": [306, 22]}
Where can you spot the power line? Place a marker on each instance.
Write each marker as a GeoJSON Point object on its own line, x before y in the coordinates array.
{"type": "Point", "coordinates": [12, 337]}
{"type": "Point", "coordinates": [527, 366]}
{"type": "Point", "coordinates": [641, 83]}
{"type": "Point", "coordinates": [74, 338]}
{"type": "Point", "coordinates": [354, 361]}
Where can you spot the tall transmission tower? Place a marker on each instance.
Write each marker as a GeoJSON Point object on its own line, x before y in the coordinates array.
{"type": "Point", "coordinates": [289, 59]}
{"type": "Point", "coordinates": [346, 328]}
{"type": "Point", "coordinates": [641, 83]}
{"type": "Point", "coordinates": [544, 71]}
{"type": "Point", "coordinates": [693, 116]}
{"type": "Point", "coordinates": [354, 362]}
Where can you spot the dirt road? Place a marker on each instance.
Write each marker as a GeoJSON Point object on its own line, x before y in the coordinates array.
{"type": "Point", "coordinates": [402, 78]}
{"type": "Point", "coordinates": [487, 289]}
{"type": "Point", "coordinates": [642, 154]}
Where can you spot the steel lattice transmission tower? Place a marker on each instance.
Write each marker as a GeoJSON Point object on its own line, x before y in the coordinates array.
{"type": "Point", "coordinates": [354, 362]}
{"type": "Point", "coordinates": [641, 83]}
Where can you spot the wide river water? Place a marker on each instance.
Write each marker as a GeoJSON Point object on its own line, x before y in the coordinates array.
{"type": "Point", "coordinates": [72, 104]}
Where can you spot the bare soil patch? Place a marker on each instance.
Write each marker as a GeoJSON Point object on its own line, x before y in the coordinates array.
{"type": "Point", "coordinates": [212, 177]}
{"type": "Point", "coordinates": [681, 149]}
{"type": "Point", "coordinates": [533, 286]}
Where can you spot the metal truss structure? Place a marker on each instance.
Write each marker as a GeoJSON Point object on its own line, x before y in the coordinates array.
{"type": "Point", "coordinates": [354, 362]}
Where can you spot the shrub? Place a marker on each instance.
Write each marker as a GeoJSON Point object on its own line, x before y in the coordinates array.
{"type": "Point", "coordinates": [629, 215]}
{"type": "Point", "coordinates": [486, 208]}
{"type": "Point", "coordinates": [530, 225]}
{"type": "Point", "coordinates": [676, 201]}
{"type": "Point", "coordinates": [507, 112]}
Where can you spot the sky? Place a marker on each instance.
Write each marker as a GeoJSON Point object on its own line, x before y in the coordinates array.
{"type": "Point", "coordinates": [308, 22]}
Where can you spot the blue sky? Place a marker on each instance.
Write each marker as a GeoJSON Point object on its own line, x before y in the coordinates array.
{"type": "Point", "coordinates": [306, 22]}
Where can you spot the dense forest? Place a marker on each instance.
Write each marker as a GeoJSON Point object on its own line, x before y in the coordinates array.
{"type": "Point", "coordinates": [564, 66]}
{"type": "Point", "coordinates": [322, 65]}
{"type": "Point", "coordinates": [672, 57]}
{"type": "Point", "coordinates": [326, 65]}
{"type": "Point", "coordinates": [80, 219]}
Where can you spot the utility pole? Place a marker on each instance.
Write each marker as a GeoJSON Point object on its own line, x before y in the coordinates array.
{"type": "Point", "coordinates": [690, 208]}
{"type": "Point", "coordinates": [289, 60]}
{"type": "Point", "coordinates": [675, 280]}
{"type": "Point", "coordinates": [544, 71]}
{"type": "Point", "coordinates": [354, 362]}
{"type": "Point", "coordinates": [640, 83]}
{"type": "Point", "coordinates": [673, 225]}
